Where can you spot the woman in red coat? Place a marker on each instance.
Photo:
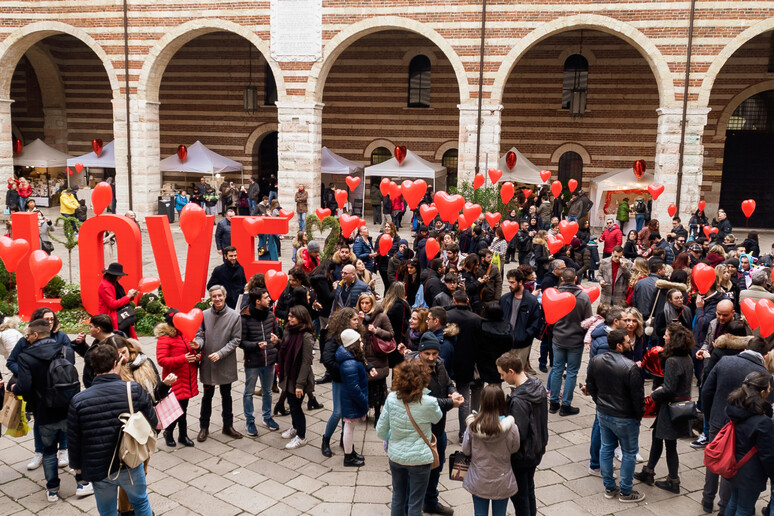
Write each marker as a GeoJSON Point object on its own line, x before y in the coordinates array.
{"type": "Point", "coordinates": [112, 296]}
{"type": "Point", "coordinates": [175, 355]}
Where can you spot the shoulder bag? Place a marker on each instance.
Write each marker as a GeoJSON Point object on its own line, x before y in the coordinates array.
{"type": "Point", "coordinates": [682, 411]}
{"type": "Point", "coordinates": [126, 317]}
{"type": "Point", "coordinates": [458, 466]}
{"type": "Point", "coordinates": [432, 443]}
{"type": "Point", "coordinates": [137, 440]}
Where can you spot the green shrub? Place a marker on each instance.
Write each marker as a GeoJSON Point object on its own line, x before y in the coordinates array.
{"type": "Point", "coordinates": [7, 308]}
{"type": "Point", "coordinates": [203, 305]}
{"type": "Point", "coordinates": [6, 278]}
{"type": "Point", "coordinates": [148, 298]}
{"type": "Point", "coordinates": [71, 300]}
{"type": "Point", "coordinates": [161, 296]}
{"type": "Point", "coordinates": [54, 287]}
{"type": "Point", "coordinates": [155, 307]}
{"type": "Point", "coordinates": [72, 320]}
{"type": "Point", "coordinates": [146, 323]}
{"type": "Point", "coordinates": [3, 292]}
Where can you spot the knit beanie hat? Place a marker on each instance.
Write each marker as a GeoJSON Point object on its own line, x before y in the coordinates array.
{"type": "Point", "coordinates": [349, 337]}
{"type": "Point", "coordinates": [429, 341]}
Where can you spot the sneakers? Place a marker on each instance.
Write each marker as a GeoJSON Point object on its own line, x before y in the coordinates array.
{"type": "Point", "coordinates": [289, 433]}
{"type": "Point", "coordinates": [63, 458]}
{"type": "Point", "coordinates": [553, 407]}
{"type": "Point", "coordinates": [250, 429]}
{"type": "Point", "coordinates": [294, 443]}
{"type": "Point", "coordinates": [568, 410]}
{"type": "Point", "coordinates": [701, 442]}
{"type": "Point", "coordinates": [271, 424]}
{"type": "Point", "coordinates": [52, 496]}
{"type": "Point", "coordinates": [612, 493]}
{"type": "Point", "coordinates": [619, 456]}
{"type": "Point", "coordinates": [36, 462]}
{"type": "Point", "coordinates": [595, 471]}
{"type": "Point", "coordinates": [84, 490]}
{"type": "Point", "coordinates": [633, 497]}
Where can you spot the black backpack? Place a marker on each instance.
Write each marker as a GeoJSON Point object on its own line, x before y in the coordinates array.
{"type": "Point", "coordinates": [63, 382]}
{"type": "Point", "coordinates": [81, 212]}
{"type": "Point", "coordinates": [640, 207]}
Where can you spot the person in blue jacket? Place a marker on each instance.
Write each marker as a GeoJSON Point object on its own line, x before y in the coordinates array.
{"type": "Point", "coordinates": [181, 199]}
{"type": "Point", "coordinates": [223, 232]}
{"type": "Point", "coordinates": [354, 391]}
{"type": "Point", "coordinates": [364, 248]}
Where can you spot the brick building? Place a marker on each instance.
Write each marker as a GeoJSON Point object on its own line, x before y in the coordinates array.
{"type": "Point", "coordinates": [580, 87]}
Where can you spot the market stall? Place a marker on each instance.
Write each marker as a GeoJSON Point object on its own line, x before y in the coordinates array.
{"type": "Point", "coordinates": [335, 169]}
{"type": "Point", "coordinates": [199, 161]}
{"type": "Point", "coordinates": [42, 159]}
{"type": "Point", "coordinates": [413, 168]}
{"type": "Point", "coordinates": [609, 189]}
{"type": "Point", "coordinates": [524, 171]}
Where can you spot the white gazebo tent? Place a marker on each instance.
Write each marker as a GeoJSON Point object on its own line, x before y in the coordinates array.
{"type": "Point", "coordinates": [201, 160]}
{"type": "Point", "coordinates": [523, 172]}
{"type": "Point", "coordinates": [335, 168]}
{"type": "Point", "coordinates": [107, 159]}
{"type": "Point", "coordinates": [39, 155]}
{"type": "Point", "coordinates": [609, 189]}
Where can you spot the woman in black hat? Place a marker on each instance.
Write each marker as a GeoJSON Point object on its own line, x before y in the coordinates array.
{"type": "Point", "coordinates": [113, 297]}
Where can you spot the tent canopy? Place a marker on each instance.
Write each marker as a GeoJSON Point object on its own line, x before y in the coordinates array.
{"type": "Point", "coordinates": [200, 160]}
{"type": "Point", "coordinates": [105, 160]}
{"type": "Point", "coordinates": [413, 167]}
{"type": "Point", "coordinates": [332, 163]}
{"type": "Point", "coordinates": [524, 171]}
{"type": "Point", "coordinates": [618, 184]}
{"type": "Point", "coordinates": [38, 154]}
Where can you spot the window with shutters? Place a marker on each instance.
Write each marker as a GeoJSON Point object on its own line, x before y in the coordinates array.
{"type": "Point", "coordinates": [575, 84]}
{"type": "Point", "coordinates": [380, 155]}
{"type": "Point", "coordinates": [419, 82]}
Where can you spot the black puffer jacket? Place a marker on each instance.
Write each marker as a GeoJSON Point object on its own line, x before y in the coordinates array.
{"type": "Point", "coordinates": [528, 404]}
{"type": "Point", "coordinates": [257, 326]}
{"type": "Point", "coordinates": [466, 349]}
{"type": "Point", "coordinates": [93, 426]}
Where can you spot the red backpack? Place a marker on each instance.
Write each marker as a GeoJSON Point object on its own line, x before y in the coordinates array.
{"type": "Point", "coordinates": [720, 454]}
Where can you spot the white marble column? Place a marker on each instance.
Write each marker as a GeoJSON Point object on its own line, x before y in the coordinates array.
{"type": "Point", "coordinates": [668, 158]}
{"type": "Point", "coordinates": [6, 139]}
{"type": "Point", "coordinates": [491, 116]}
{"type": "Point", "coordinates": [299, 151]}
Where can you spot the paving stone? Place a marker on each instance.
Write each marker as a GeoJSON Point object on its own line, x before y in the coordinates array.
{"type": "Point", "coordinates": [212, 483]}
{"type": "Point", "coordinates": [372, 494]}
{"type": "Point", "coordinates": [280, 509]}
{"type": "Point", "coordinates": [246, 499]}
{"type": "Point", "coordinates": [274, 489]}
{"type": "Point", "coordinates": [309, 485]}
{"type": "Point", "coordinates": [553, 494]}
{"type": "Point", "coordinates": [331, 509]}
{"type": "Point", "coordinates": [196, 500]}
{"type": "Point", "coordinates": [20, 488]}
{"type": "Point", "coordinates": [166, 486]}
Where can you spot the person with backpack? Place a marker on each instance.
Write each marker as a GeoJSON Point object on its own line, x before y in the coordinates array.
{"type": "Point", "coordinates": [47, 379]}
{"type": "Point", "coordinates": [640, 212]}
{"type": "Point", "coordinates": [94, 431]}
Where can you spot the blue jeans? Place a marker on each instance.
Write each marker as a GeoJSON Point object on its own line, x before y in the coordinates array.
{"type": "Point", "coordinates": [409, 485]}
{"type": "Point", "coordinates": [266, 374]}
{"type": "Point", "coordinates": [615, 431]}
{"type": "Point", "coordinates": [596, 444]}
{"type": "Point", "coordinates": [335, 418]}
{"type": "Point", "coordinates": [253, 205]}
{"type": "Point", "coordinates": [564, 357]}
{"type": "Point", "coordinates": [272, 195]}
{"type": "Point", "coordinates": [481, 506]}
{"type": "Point", "coordinates": [133, 482]}
{"type": "Point", "coordinates": [301, 221]}
{"type": "Point", "coordinates": [49, 437]}
{"type": "Point", "coordinates": [640, 220]}
{"type": "Point", "coordinates": [571, 218]}
{"type": "Point", "coordinates": [431, 495]}
{"type": "Point", "coordinates": [39, 441]}
{"type": "Point", "coordinates": [742, 502]}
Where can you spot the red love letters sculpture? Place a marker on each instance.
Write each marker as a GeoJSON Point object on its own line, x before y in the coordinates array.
{"type": "Point", "coordinates": [765, 312]}
{"type": "Point", "coordinates": [253, 225]}
{"type": "Point", "coordinates": [352, 182]}
{"type": "Point", "coordinates": [748, 207]}
{"type": "Point", "coordinates": [400, 153]}
{"type": "Point", "coordinates": [322, 213]}
{"type": "Point", "coordinates": [432, 247]}
{"type": "Point", "coordinates": [702, 205]}
{"type": "Point", "coordinates": [557, 304]}
{"type": "Point", "coordinates": [101, 197]}
{"type": "Point", "coordinates": [192, 220]}
{"type": "Point", "coordinates": [671, 210]}
{"type": "Point", "coordinates": [572, 184]}
{"type": "Point", "coordinates": [413, 191]}
{"type": "Point", "coordinates": [593, 292]}
{"type": "Point", "coordinates": [276, 281]}
{"type": "Point", "coordinates": [545, 175]}
{"type": "Point", "coordinates": [703, 276]}
{"type": "Point", "coordinates": [492, 218]}
{"type": "Point", "coordinates": [245, 244]}
{"type": "Point", "coordinates": [478, 181]}
{"type": "Point", "coordinates": [510, 228]}
{"type": "Point", "coordinates": [506, 192]}
{"type": "Point", "coordinates": [568, 229]}
{"type": "Point", "coordinates": [471, 211]}
{"type": "Point", "coordinates": [495, 174]}
{"type": "Point", "coordinates": [556, 188]}
{"type": "Point", "coordinates": [385, 244]}
{"type": "Point", "coordinates": [427, 213]}
{"type": "Point", "coordinates": [348, 224]}
{"type": "Point", "coordinates": [449, 205]}
{"type": "Point", "coordinates": [639, 168]}
{"type": "Point", "coordinates": [510, 160]}
{"type": "Point", "coordinates": [384, 187]}
{"type": "Point", "coordinates": [749, 307]}
{"type": "Point", "coordinates": [96, 146]}
{"type": "Point", "coordinates": [12, 252]}
{"type": "Point", "coordinates": [555, 244]}
{"type": "Point", "coordinates": [188, 323]}
{"type": "Point", "coordinates": [182, 152]}
{"type": "Point", "coordinates": [655, 191]}
{"type": "Point", "coordinates": [341, 197]}
{"type": "Point", "coordinates": [25, 228]}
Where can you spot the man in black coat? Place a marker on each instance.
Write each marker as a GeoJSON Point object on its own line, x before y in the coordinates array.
{"type": "Point", "coordinates": [223, 232]}
{"type": "Point", "coordinates": [231, 275]}
{"type": "Point", "coordinates": [432, 283]}
{"type": "Point", "coordinates": [93, 431]}
{"type": "Point", "coordinates": [725, 377]}
{"type": "Point", "coordinates": [524, 313]}
{"type": "Point", "coordinates": [465, 354]}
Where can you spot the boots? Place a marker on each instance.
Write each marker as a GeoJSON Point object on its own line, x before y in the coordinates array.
{"type": "Point", "coordinates": [325, 447]}
{"type": "Point", "coordinates": [352, 460]}
{"type": "Point", "coordinates": [646, 476]}
{"type": "Point", "coordinates": [669, 484]}
{"type": "Point", "coordinates": [182, 436]}
{"type": "Point", "coordinates": [280, 410]}
{"type": "Point", "coordinates": [169, 439]}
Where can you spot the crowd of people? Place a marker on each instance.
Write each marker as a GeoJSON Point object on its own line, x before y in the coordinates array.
{"type": "Point", "coordinates": [403, 352]}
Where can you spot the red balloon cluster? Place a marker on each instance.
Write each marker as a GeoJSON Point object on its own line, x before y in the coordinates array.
{"type": "Point", "coordinates": [413, 192]}
{"type": "Point", "coordinates": [449, 205]}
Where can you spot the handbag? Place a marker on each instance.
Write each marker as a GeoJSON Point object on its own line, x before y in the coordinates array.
{"type": "Point", "coordinates": [381, 346]}
{"type": "Point", "coordinates": [649, 321]}
{"type": "Point", "coordinates": [651, 407]}
{"type": "Point", "coordinates": [168, 410]}
{"type": "Point", "coordinates": [682, 411]}
{"type": "Point", "coordinates": [432, 443]}
{"type": "Point", "coordinates": [458, 466]}
{"type": "Point", "coordinates": [126, 316]}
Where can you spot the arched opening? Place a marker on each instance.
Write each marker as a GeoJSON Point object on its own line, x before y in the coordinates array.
{"type": "Point", "coordinates": [380, 155]}
{"type": "Point", "coordinates": [450, 160]}
{"type": "Point", "coordinates": [265, 159]}
{"type": "Point", "coordinates": [570, 167]}
{"type": "Point", "coordinates": [419, 82]}
{"type": "Point", "coordinates": [739, 132]}
{"type": "Point", "coordinates": [575, 84]}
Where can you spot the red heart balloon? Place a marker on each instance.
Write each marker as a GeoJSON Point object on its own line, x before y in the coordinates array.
{"type": "Point", "coordinates": [44, 266]}
{"type": "Point", "coordinates": [471, 211]}
{"type": "Point", "coordinates": [449, 205]}
{"type": "Point", "coordinates": [341, 197]}
{"type": "Point", "coordinates": [182, 152]}
{"type": "Point", "coordinates": [253, 225]}
{"type": "Point", "coordinates": [188, 324]}
{"type": "Point", "coordinates": [765, 312]}
{"type": "Point", "coordinates": [748, 207]}
{"type": "Point", "coordinates": [96, 146]}
{"type": "Point", "coordinates": [432, 247]}
{"type": "Point", "coordinates": [69, 172]}
{"type": "Point", "coordinates": [572, 184]}
{"type": "Point", "coordinates": [748, 309]}
{"type": "Point", "coordinates": [557, 304]}
{"type": "Point", "coordinates": [427, 213]}
{"type": "Point", "coordinates": [322, 213]}
{"type": "Point", "coordinates": [671, 210]}
{"type": "Point", "coordinates": [384, 187]}
{"type": "Point", "coordinates": [545, 175]}
{"type": "Point", "coordinates": [510, 228]}
{"type": "Point", "coordinates": [639, 168]}
{"type": "Point", "coordinates": [555, 244]}
{"type": "Point", "coordinates": [286, 214]}
{"type": "Point", "coordinates": [702, 205]}
{"type": "Point", "coordinates": [709, 230]}
{"type": "Point", "coordinates": [385, 244]}
{"type": "Point", "coordinates": [592, 291]}
{"type": "Point", "coordinates": [101, 197]}
{"type": "Point", "coordinates": [348, 224]}
{"type": "Point", "coordinates": [146, 285]}
{"type": "Point", "coordinates": [192, 220]}
{"type": "Point", "coordinates": [478, 181]}
{"type": "Point", "coordinates": [655, 191]}
{"type": "Point", "coordinates": [18, 145]}
{"type": "Point", "coordinates": [276, 281]}
{"type": "Point", "coordinates": [495, 174]}
{"type": "Point", "coordinates": [352, 182]}
{"type": "Point", "coordinates": [556, 188]}
{"type": "Point", "coordinates": [394, 189]}
{"type": "Point", "coordinates": [492, 218]}
{"type": "Point", "coordinates": [400, 153]}
{"type": "Point", "coordinates": [413, 192]}
{"type": "Point", "coordinates": [12, 252]}
{"type": "Point", "coordinates": [510, 160]}
{"type": "Point", "coordinates": [527, 192]}
{"type": "Point", "coordinates": [703, 276]}
{"type": "Point", "coordinates": [462, 222]}
{"type": "Point", "coordinates": [568, 229]}
{"type": "Point", "coordinates": [79, 167]}
{"type": "Point", "coordinates": [506, 192]}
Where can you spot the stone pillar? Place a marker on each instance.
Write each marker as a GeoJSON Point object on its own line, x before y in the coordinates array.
{"type": "Point", "coordinates": [299, 152]}
{"type": "Point", "coordinates": [55, 127]}
{"type": "Point", "coordinates": [6, 140]}
{"type": "Point", "coordinates": [491, 116]}
{"type": "Point", "coordinates": [146, 177]}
